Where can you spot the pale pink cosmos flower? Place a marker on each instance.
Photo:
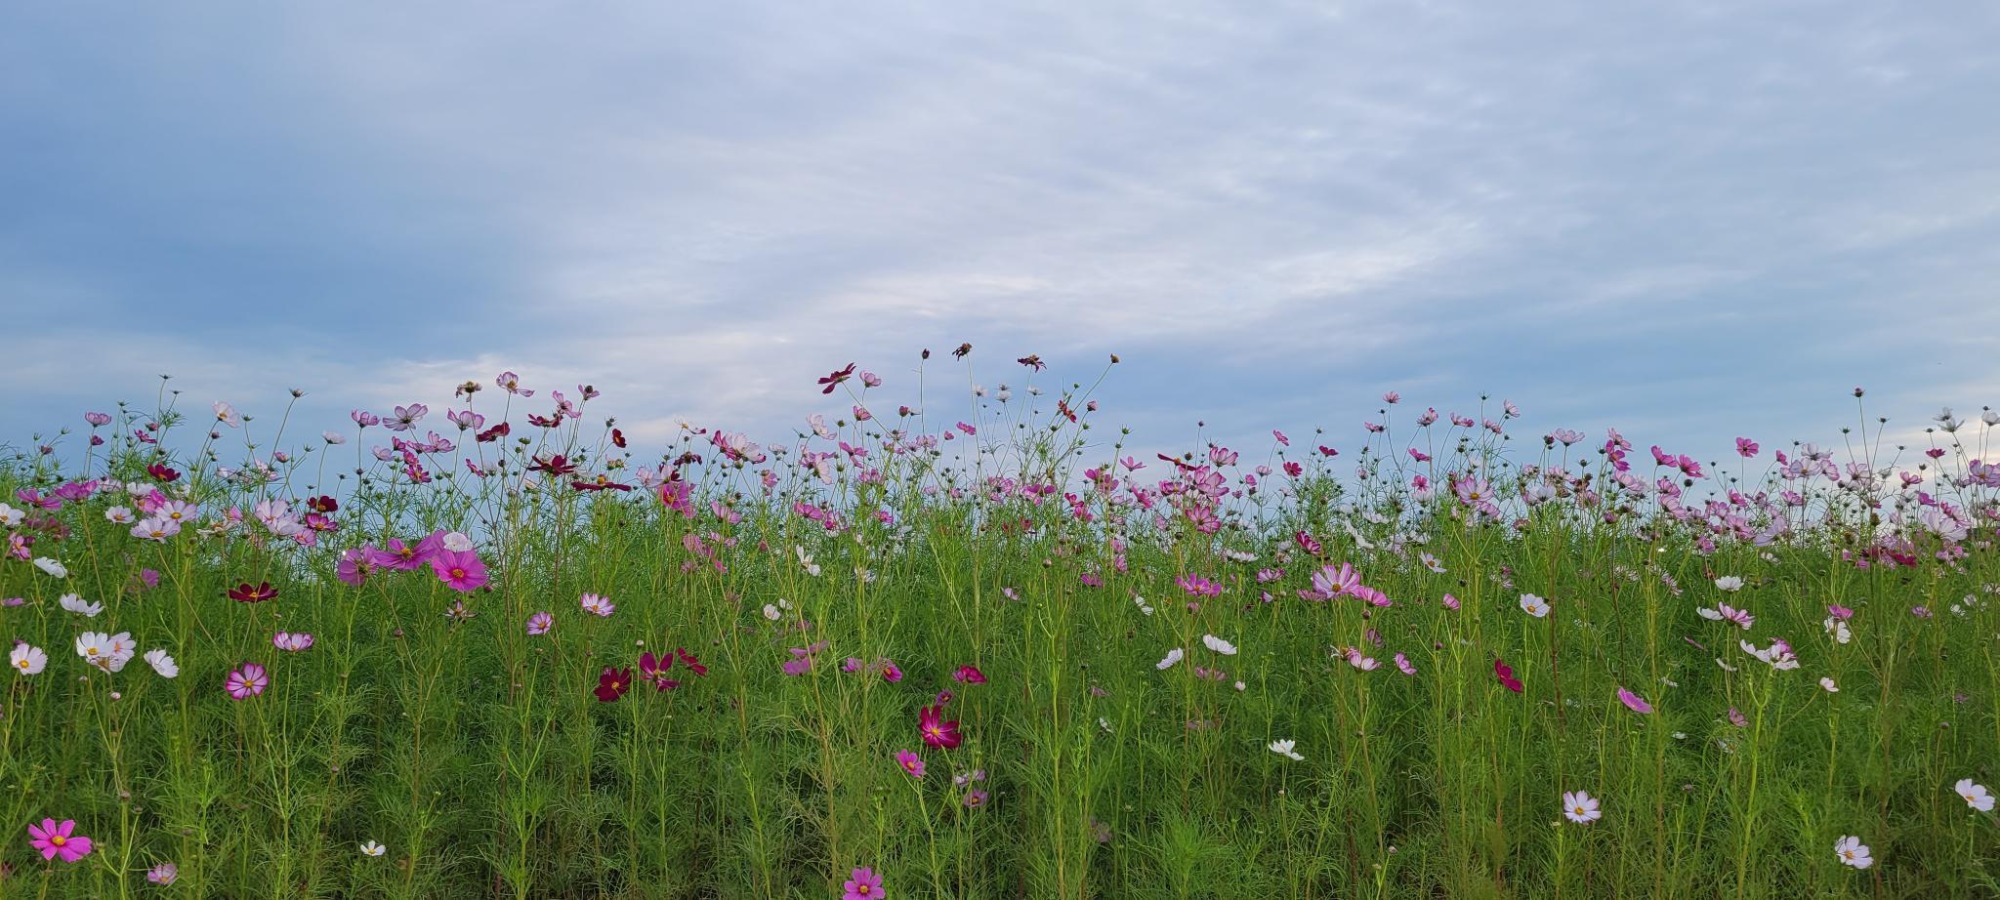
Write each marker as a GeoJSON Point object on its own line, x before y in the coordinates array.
{"type": "Point", "coordinates": [598, 605]}
{"type": "Point", "coordinates": [540, 623]}
{"type": "Point", "coordinates": [290, 642]}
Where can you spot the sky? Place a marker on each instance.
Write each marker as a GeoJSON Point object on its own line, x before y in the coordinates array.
{"type": "Point", "coordinates": [1691, 221]}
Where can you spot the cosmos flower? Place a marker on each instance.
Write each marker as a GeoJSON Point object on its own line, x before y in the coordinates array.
{"type": "Point", "coordinates": [1976, 795]}
{"type": "Point", "coordinates": [28, 660]}
{"type": "Point", "coordinates": [1581, 808]}
{"type": "Point", "coordinates": [162, 663]}
{"type": "Point", "coordinates": [1284, 748]}
{"type": "Point", "coordinates": [911, 763]}
{"type": "Point", "coordinates": [862, 883]}
{"type": "Point", "coordinates": [1634, 702]}
{"type": "Point", "coordinates": [598, 606]}
{"type": "Point", "coordinates": [936, 731]}
{"type": "Point", "coordinates": [246, 682]}
{"type": "Point", "coordinates": [1218, 645]}
{"type": "Point", "coordinates": [1534, 606]}
{"type": "Point", "coordinates": [540, 622]}
{"type": "Point", "coordinates": [1852, 852]}
{"type": "Point", "coordinates": [59, 839]}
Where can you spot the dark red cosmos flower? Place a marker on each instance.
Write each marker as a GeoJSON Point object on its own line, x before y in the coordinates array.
{"type": "Point", "coordinates": [163, 472]}
{"type": "Point", "coordinates": [555, 465]}
{"type": "Point", "coordinates": [541, 421]}
{"type": "Point", "coordinates": [617, 439]}
{"type": "Point", "coordinates": [839, 375]}
{"type": "Point", "coordinates": [1062, 408]}
{"type": "Point", "coordinates": [1325, 450]}
{"type": "Point", "coordinates": [654, 669]}
{"type": "Point", "coordinates": [691, 661]}
{"type": "Point", "coordinates": [1505, 673]}
{"type": "Point", "coordinates": [323, 504]}
{"type": "Point", "coordinates": [244, 593]}
{"type": "Point", "coordinates": [493, 434]}
{"type": "Point", "coordinates": [613, 684]}
{"type": "Point", "coordinates": [936, 731]}
{"type": "Point", "coordinates": [1032, 361]}
{"type": "Point", "coordinates": [602, 483]}
{"type": "Point", "coordinates": [969, 675]}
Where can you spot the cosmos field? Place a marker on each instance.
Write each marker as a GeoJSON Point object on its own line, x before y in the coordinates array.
{"type": "Point", "coordinates": [988, 646]}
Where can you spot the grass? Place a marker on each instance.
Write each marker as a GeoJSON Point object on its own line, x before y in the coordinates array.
{"type": "Point", "coordinates": [1141, 638]}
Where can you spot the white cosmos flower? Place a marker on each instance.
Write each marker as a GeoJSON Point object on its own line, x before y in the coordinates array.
{"type": "Point", "coordinates": [457, 542]}
{"type": "Point", "coordinates": [1284, 748]}
{"type": "Point", "coordinates": [1581, 808]}
{"type": "Point", "coordinates": [1218, 645]}
{"type": "Point", "coordinates": [1852, 852]}
{"type": "Point", "coordinates": [77, 604]}
{"type": "Point", "coordinates": [28, 660]}
{"type": "Point", "coordinates": [162, 663]}
{"type": "Point", "coordinates": [1534, 606]}
{"type": "Point", "coordinates": [51, 566]}
{"type": "Point", "coordinates": [1838, 629]}
{"type": "Point", "coordinates": [373, 849]}
{"type": "Point", "coordinates": [1173, 656]}
{"type": "Point", "coordinates": [1831, 688]}
{"type": "Point", "coordinates": [93, 646]}
{"type": "Point", "coordinates": [1729, 583]}
{"type": "Point", "coordinates": [1975, 794]}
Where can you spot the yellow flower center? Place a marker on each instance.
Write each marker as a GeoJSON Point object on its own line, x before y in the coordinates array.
{"type": "Point", "coordinates": [58, 840]}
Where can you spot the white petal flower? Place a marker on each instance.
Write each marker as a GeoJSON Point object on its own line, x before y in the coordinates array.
{"type": "Point", "coordinates": [1852, 852]}
{"type": "Point", "coordinates": [1284, 748]}
{"type": "Point", "coordinates": [1976, 795]}
{"type": "Point", "coordinates": [373, 849]}
{"type": "Point", "coordinates": [1173, 656]}
{"type": "Point", "coordinates": [1581, 808]}
{"type": "Point", "coordinates": [28, 660]}
{"type": "Point", "coordinates": [51, 566]}
{"type": "Point", "coordinates": [77, 604]}
{"type": "Point", "coordinates": [1729, 583]}
{"type": "Point", "coordinates": [1534, 606]}
{"type": "Point", "coordinates": [162, 663]}
{"type": "Point", "coordinates": [1831, 688]}
{"type": "Point", "coordinates": [1218, 645]}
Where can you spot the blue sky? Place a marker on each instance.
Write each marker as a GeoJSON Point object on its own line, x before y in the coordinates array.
{"type": "Point", "coordinates": [1690, 220]}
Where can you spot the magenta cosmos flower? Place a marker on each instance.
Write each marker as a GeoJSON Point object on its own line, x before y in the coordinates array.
{"type": "Point", "coordinates": [461, 570]}
{"type": "Point", "coordinates": [247, 682]}
{"type": "Point", "coordinates": [59, 840]}
{"type": "Point", "coordinates": [911, 763]}
{"type": "Point", "coordinates": [863, 884]}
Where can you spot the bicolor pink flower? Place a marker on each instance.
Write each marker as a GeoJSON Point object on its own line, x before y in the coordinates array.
{"type": "Point", "coordinates": [247, 682]}
{"type": "Point", "coordinates": [59, 839]}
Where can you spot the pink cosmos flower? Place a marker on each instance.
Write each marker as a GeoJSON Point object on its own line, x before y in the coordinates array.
{"type": "Point", "coordinates": [598, 605]}
{"type": "Point", "coordinates": [460, 570]}
{"type": "Point", "coordinates": [911, 763]}
{"type": "Point", "coordinates": [247, 682]}
{"type": "Point", "coordinates": [1634, 702]}
{"type": "Point", "coordinates": [540, 622]}
{"type": "Point", "coordinates": [862, 884]}
{"type": "Point", "coordinates": [290, 642]}
{"type": "Point", "coordinates": [969, 675]}
{"type": "Point", "coordinates": [59, 840]}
